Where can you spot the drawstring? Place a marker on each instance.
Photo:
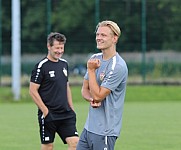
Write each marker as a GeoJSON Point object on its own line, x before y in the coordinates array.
{"type": "Point", "coordinates": [105, 143]}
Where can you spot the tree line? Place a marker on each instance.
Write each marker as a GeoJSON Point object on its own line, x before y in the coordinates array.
{"type": "Point", "coordinates": [77, 20]}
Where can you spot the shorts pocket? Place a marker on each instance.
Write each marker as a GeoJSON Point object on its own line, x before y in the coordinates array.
{"type": "Point", "coordinates": [48, 117]}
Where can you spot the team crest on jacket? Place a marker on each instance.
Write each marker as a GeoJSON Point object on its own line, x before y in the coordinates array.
{"type": "Point", "coordinates": [102, 75]}
{"type": "Point", "coordinates": [65, 72]}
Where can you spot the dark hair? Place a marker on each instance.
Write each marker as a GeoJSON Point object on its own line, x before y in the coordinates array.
{"type": "Point", "coordinates": [56, 36]}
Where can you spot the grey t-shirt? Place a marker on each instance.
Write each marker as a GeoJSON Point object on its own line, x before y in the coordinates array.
{"type": "Point", "coordinates": [107, 119]}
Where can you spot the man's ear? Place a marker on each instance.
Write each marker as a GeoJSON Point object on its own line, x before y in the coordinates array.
{"type": "Point", "coordinates": [48, 46]}
{"type": "Point", "coordinates": [115, 39]}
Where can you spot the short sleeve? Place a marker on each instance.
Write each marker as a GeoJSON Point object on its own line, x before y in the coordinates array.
{"type": "Point", "coordinates": [37, 75]}
{"type": "Point", "coordinates": [114, 77]}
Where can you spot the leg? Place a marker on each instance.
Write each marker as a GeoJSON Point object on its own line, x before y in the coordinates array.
{"type": "Point", "coordinates": [47, 146]}
{"type": "Point", "coordinates": [47, 133]}
{"type": "Point", "coordinates": [100, 142]}
{"type": "Point", "coordinates": [67, 131]}
{"type": "Point", "coordinates": [72, 142]}
{"type": "Point", "coordinates": [84, 141]}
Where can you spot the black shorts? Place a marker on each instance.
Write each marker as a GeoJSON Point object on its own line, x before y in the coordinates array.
{"type": "Point", "coordinates": [64, 128]}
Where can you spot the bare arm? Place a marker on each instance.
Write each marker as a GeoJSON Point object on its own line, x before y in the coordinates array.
{"type": "Point", "coordinates": [85, 91]}
{"type": "Point", "coordinates": [98, 93]}
{"type": "Point", "coordinates": [69, 96]}
{"type": "Point", "coordinates": [33, 90]}
{"type": "Point", "coordinates": [87, 95]}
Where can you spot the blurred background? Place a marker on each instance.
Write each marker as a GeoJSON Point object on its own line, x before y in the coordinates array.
{"type": "Point", "coordinates": [150, 42]}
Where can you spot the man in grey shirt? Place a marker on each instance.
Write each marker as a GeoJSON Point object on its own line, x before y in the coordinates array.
{"type": "Point", "coordinates": [104, 87]}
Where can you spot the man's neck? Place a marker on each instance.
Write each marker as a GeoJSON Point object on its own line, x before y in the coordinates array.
{"type": "Point", "coordinates": [52, 59]}
{"type": "Point", "coordinates": [107, 54]}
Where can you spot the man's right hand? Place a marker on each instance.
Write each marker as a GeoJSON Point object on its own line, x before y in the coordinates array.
{"type": "Point", "coordinates": [45, 112]}
{"type": "Point", "coordinates": [93, 64]}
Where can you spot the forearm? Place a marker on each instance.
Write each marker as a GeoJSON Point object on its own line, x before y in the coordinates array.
{"type": "Point", "coordinates": [86, 95]}
{"type": "Point", "coordinates": [85, 91]}
{"type": "Point", "coordinates": [69, 97]}
{"type": "Point", "coordinates": [93, 85]}
{"type": "Point", "coordinates": [38, 101]}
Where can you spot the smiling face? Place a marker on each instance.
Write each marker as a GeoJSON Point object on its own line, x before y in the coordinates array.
{"type": "Point", "coordinates": [56, 50]}
{"type": "Point", "coordinates": [105, 38]}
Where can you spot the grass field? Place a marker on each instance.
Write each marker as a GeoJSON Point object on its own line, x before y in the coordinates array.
{"type": "Point", "coordinates": [149, 122]}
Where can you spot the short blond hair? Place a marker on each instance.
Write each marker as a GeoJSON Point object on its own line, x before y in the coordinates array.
{"type": "Point", "coordinates": [112, 25]}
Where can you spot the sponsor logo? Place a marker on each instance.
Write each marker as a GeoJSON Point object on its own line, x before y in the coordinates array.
{"type": "Point", "coordinates": [52, 74]}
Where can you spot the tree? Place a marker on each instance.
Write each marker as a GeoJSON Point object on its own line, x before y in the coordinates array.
{"type": "Point", "coordinates": [76, 19]}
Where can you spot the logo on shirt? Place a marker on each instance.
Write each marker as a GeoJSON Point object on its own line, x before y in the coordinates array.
{"type": "Point", "coordinates": [65, 72]}
{"type": "Point", "coordinates": [52, 74]}
{"type": "Point", "coordinates": [102, 75]}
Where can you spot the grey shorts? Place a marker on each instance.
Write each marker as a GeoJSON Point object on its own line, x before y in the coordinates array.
{"type": "Point", "coordinates": [91, 141]}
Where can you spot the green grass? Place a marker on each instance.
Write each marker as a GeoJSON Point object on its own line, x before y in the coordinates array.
{"type": "Point", "coordinates": [153, 93]}
{"type": "Point", "coordinates": [151, 126]}
{"type": "Point", "coordinates": [151, 119]}
{"type": "Point", "coordinates": [146, 126]}
{"type": "Point", "coordinates": [134, 93]}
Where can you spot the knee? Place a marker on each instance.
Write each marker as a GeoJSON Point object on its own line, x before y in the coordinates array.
{"type": "Point", "coordinates": [72, 142]}
{"type": "Point", "coordinates": [47, 146]}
